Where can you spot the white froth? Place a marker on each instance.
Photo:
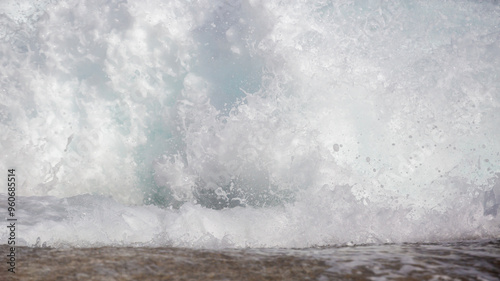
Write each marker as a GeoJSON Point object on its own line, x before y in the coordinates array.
{"type": "Point", "coordinates": [251, 123]}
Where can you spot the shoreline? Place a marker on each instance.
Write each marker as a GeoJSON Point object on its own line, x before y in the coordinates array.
{"type": "Point", "coordinates": [139, 263]}
{"type": "Point", "coordinates": [436, 261]}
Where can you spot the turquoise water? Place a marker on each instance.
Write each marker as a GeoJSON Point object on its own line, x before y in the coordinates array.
{"type": "Point", "coordinates": [251, 123]}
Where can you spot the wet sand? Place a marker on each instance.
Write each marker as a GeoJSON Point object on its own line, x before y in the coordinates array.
{"type": "Point", "coordinates": [112, 263]}
{"type": "Point", "coordinates": [476, 260]}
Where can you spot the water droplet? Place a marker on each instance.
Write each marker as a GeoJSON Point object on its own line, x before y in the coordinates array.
{"type": "Point", "coordinates": [336, 147]}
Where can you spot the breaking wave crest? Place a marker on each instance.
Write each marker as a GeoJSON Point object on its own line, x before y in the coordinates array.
{"type": "Point", "coordinates": [251, 123]}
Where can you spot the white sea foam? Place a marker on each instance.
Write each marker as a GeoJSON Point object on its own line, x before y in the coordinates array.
{"type": "Point", "coordinates": [251, 123]}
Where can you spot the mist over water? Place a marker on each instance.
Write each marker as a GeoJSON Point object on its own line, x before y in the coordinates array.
{"type": "Point", "coordinates": [251, 123]}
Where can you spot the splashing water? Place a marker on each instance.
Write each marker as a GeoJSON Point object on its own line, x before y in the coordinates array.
{"type": "Point", "coordinates": [251, 123]}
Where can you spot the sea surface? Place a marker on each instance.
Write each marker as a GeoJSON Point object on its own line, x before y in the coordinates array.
{"type": "Point", "coordinates": [342, 137]}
